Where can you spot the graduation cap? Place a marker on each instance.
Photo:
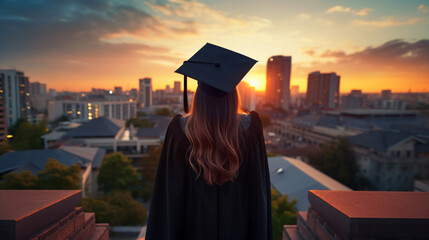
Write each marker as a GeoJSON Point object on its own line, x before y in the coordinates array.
{"type": "Point", "coordinates": [217, 70]}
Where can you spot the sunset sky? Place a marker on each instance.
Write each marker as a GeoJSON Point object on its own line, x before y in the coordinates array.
{"type": "Point", "coordinates": [79, 44]}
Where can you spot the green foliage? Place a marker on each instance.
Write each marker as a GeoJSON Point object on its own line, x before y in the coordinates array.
{"type": "Point", "coordinates": [117, 209]}
{"type": "Point", "coordinates": [148, 165]}
{"type": "Point", "coordinates": [27, 136]}
{"type": "Point", "coordinates": [117, 173]}
{"type": "Point", "coordinates": [23, 180]}
{"type": "Point", "coordinates": [53, 176]}
{"type": "Point", "coordinates": [337, 160]}
{"type": "Point", "coordinates": [265, 120]}
{"type": "Point", "coordinates": [283, 212]}
{"type": "Point", "coordinates": [141, 123]}
{"type": "Point", "coordinates": [58, 176]}
{"type": "Point", "coordinates": [141, 114]}
{"type": "Point", "coordinates": [163, 112]}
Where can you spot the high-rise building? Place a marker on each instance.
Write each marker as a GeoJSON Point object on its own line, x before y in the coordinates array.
{"type": "Point", "coordinates": [278, 80]}
{"type": "Point", "coordinates": [354, 100]}
{"type": "Point", "coordinates": [16, 89]}
{"type": "Point", "coordinates": [134, 93]}
{"type": "Point", "coordinates": [145, 91]}
{"type": "Point", "coordinates": [247, 95]}
{"type": "Point", "coordinates": [3, 111]}
{"type": "Point", "coordinates": [37, 89]}
{"type": "Point", "coordinates": [88, 110]}
{"type": "Point", "coordinates": [323, 90]}
{"type": "Point", "coordinates": [177, 88]}
{"type": "Point", "coordinates": [167, 88]}
{"type": "Point", "coordinates": [386, 94]}
{"type": "Point", "coordinates": [118, 90]}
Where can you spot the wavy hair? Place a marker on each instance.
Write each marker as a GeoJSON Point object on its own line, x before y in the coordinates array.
{"type": "Point", "coordinates": [212, 129]}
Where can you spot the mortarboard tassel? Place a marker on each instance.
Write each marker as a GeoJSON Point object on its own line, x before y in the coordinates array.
{"type": "Point", "coordinates": [185, 94]}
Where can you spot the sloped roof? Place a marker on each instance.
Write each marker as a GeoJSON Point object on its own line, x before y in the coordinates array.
{"type": "Point", "coordinates": [34, 160]}
{"type": "Point", "coordinates": [97, 128]}
{"type": "Point", "coordinates": [158, 130]}
{"type": "Point", "coordinates": [379, 140]}
{"type": "Point", "coordinates": [297, 177]}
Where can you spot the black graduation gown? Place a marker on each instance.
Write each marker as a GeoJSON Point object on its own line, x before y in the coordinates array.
{"type": "Point", "coordinates": [185, 208]}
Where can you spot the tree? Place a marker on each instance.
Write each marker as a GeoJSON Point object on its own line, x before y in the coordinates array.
{"type": "Point", "coordinates": [149, 165]}
{"type": "Point", "coordinates": [163, 112]}
{"type": "Point", "coordinates": [53, 176]}
{"type": "Point", "coordinates": [117, 173]}
{"type": "Point", "coordinates": [283, 212]}
{"type": "Point", "coordinates": [117, 209]}
{"type": "Point", "coordinates": [139, 122]}
{"type": "Point", "coordinates": [22, 180]}
{"type": "Point", "coordinates": [58, 176]}
{"type": "Point", "coordinates": [337, 160]}
{"type": "Point", "coordinates": [27, 135]}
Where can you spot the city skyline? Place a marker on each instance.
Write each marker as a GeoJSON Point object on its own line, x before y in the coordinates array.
{"type": "Point", "coordinates": [78, 45]}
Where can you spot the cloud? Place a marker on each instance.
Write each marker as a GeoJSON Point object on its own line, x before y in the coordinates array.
{"type": "Point", "coordinates": [396, 64]}
{"type": "Point", "coordinates": [339, 8]}
{"type": "Point", "coordinates": [71, 27]}
{"type": "Point", "coordinates": [363, 12]}
{"type": "Point", "coordinates": [205, 18]}
{"type": "Point", "coordinates": [304, 16]}
{"type": "Point", "coordinates": [397, 53]}
{"type": "Point", "coordinates": [386, 22]}
{"type": "Point", "coordinates": [336, 54]}
{"type": "Point", "coordinates": [422, 8]}
{"type": "Point", "coordinates": [310, 52]}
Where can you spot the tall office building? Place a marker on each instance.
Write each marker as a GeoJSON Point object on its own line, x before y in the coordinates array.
{"type": "Point", "coordinates": [386, 94]}
{"type": "Point", "coordinates": [277, 91]}
{"type": "Point", "coordinates": [145, 91]}
{"type": "Point", "coordinates": [323, 90]}
{"type": "Point", "coordinates": [247, 95]}
{"type": "Point", "coordinates": [134, 93]}
{"type": "Point", "coordinates": [16, 89]}
{"type": "Point", "coordinates": [37, 89]}
{"type": "Point", "coordinates": [177, 88]}
{"type": "Point", "coordinates": [3, 110]}
{"type": "Point", "coordinates": [354, 100]}
{"type": "Point", "coordinates": [91, 109]}
{"type": "Point", "coordinates": [118, 90]}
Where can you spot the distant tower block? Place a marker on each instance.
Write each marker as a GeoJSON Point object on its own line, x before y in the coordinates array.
{"type": "Point", "coordinates": [323, 90]}
{"type": "Point", "coordinates": [177, 88]}
{"type": "Point", "coordinates": [145, 91]}
{"type": "Point", "coordinates": [118, 90]}
{"type": "Point", "coordinates": [15, 89]}
{"type": "Point", "coordinates": [247, 95]}
{"type": "Point", "coordinates": [277, 91]}
{"type": "Point", "coordinates": [386, 94]}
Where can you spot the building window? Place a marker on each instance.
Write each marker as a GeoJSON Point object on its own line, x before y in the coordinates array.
{"type": "Point", "coordinates": [408, 154]}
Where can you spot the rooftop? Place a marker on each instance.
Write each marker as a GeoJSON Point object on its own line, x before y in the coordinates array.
{"type": "Point", "coordinates": [296, 178]}
{"type": "Point", "coordinates": [34, 160]}
{"type": "Point", "coordinates": [97, 128]}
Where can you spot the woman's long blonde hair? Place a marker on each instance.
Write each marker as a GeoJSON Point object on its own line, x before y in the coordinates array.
{"type": "Point", "coordinates": [212, 129]}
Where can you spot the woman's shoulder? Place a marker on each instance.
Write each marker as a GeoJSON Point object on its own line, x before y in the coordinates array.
{"type": "Point", "coordinates": [174, 124]}
{"type": "Point", "coordinates": [255, 120]}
